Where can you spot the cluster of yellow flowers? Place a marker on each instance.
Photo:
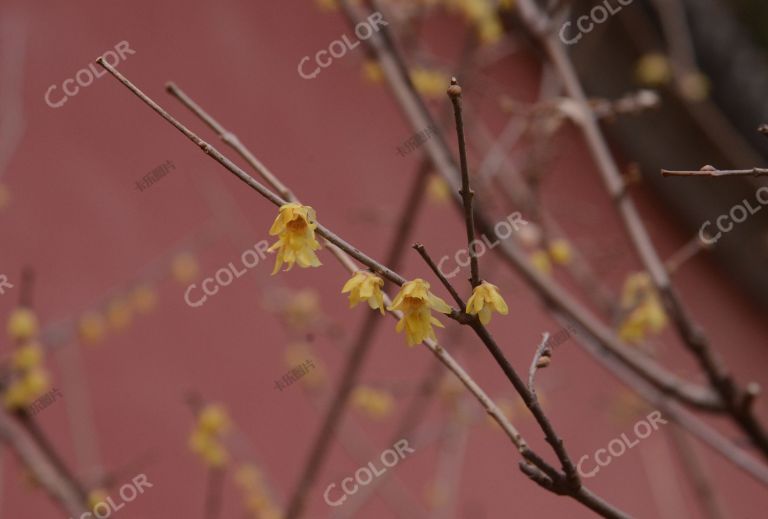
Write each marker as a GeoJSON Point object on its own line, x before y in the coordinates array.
{"type": "Point", "coordinates": [558, 252]}
{"type": "Point", "coordinates": [206, 440]}
{"type": "Point", "coordinates": [30, 379]}
{"type": "Point", "coordinates": [118, 313]}
{"type": "Point", "coordinates": [483, 15]}
{"type": "Point", "coordinates": [257, 498]}
{"type": "Point", "coordinates": [295, 227]}
{"type": "Point", "coordinates": [642, 307]}
{"type": "Point", "coordinates": [376, 403]}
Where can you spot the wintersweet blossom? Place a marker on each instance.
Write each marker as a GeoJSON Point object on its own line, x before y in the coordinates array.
{"type": "Point", "coordinates": [295, 227]}
{"type": "Point", "coordinates": [365, 286]}
{"type": "Point", "coordinates": [417, 302]}
{"type": "Point", "coordinates": [485, 300]}
{"type": "Point", "coordinates": [643, 308]}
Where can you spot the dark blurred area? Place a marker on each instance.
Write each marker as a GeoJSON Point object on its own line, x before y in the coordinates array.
{"type": "Point", "coordinates": [713, 100]}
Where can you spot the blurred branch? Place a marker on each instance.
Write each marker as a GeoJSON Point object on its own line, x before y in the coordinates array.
{"type": "Point", "coordinates": [709, 171]}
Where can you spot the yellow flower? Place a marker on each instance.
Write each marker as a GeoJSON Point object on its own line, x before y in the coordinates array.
{"type": "Point", "coordinates": [417, 302]}
{"type": "Point", "coordinates": [15, 396]}
{"type": "Point", "coordinates": [249, 477]}
{"type": "Point", "coordinates": [560, 251]}
{"type": "Point", "coordinates": [372, 71]}
{"type": "Point", "coordinates": [92, 327]}
{"type": "Point", "coordinates": [302, 309]}
{"type": "Point", "coordinates": [486, 299]}
{"type": "Point", "coordinates": [36, 382]}
{"type": "Point", "coordinates": [438, 189]}
{"type": "Point", "coordinates": [215, 454]}
{"type": "Point", "coordinates": [119, 314]}
{"type": "Point", "coordinates": [430, 83]}
{"type": "Point", "coordinates": [144, 298]}
{"type": "Point", "coordinates": [365, 286]}
{"type": "Point", "coordinates": [327, 5]}
{"type": "Point", "coordinates": [642, 304]}
{"type": "Point", "coordinates": [295, 225]}
{"type": "Point", "coordinates": [540, 261]}
{"type": "Point", "coordinates": [28, 356]}
{"type": "Point", "coordinates": [95, 497]}
{"type": "Point", "coordinates": [375, 403]}
{"type": "Point", "coordinates": [653, 69]}
{"type": "Point", "coordinates": [184, 268]}
{"type": "Point", "coordinates": [22, 324]}
{"type": "Point", "coordinates": [300, 354]}
{"type": "Point", "coordinates": [213, 419]}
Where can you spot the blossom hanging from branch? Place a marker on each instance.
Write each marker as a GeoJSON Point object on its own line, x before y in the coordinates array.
{"type": "Point", "coordinates": [295, 227]}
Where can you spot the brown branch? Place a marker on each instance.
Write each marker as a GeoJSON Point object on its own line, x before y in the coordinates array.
{"type": "Point", "coordinates": [693, 338]}
{"type": "Point", "coordinates": [431, 263]}
{"type": "Point", "coordinates": [568, 484]}
{"type": "Point", "coordinates": [214, 491]}
{"type": "Point", "coordinates": [709, 171]}
{"type": "Point", "coordinates": [32, 456]}
{"type": "Point", "coordinates": [454, 92]}
{"type": "Point", "coordinates": [542, 352]}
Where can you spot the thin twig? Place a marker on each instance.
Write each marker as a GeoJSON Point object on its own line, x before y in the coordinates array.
{"type": "Point", "coordinates": [454, 92]}
{"type": "Point", "coordinates": [570, 483]}
{"type": "Point", "coordinates": [709, 171]}
{"type": "Point", "coordinates": [692, 336]}
{"type": "Point", "coordinates": [214, 490]}
{"type": "Point", "coordinates": [428, 259]}
{"type": "Point", "coordinates": [541, 352]}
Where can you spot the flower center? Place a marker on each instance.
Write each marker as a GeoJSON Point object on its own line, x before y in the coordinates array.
{"type": "Point", "coordinates": [298, 224]}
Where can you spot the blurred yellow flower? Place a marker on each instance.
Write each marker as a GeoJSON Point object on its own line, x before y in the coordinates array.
{"type": "Point", "coordinates": [643, 308]}
{"type": "Point", "coordinates": [365, 286]}
{"type": "Point", "coordinates": [22, 324]}
{"type": "Point", "coordinates": [653, 69]}
{"type": "Point", "coordinates": [694, 86]}
{"type": "Point", "coordinates": [144, 298]}
{"type": "Point", "coordinates": [295, 227]}
{"type": "Point", "coordinates": [560, 251]}
{"type": "Point", "coordinates": [417, 302]}
{"type": "Point", "coordinates": [92, 327]}
{"type": "Point", "coordinates": [213, 418]}
{"type": "Point", "coordinates": [430, 83]}
{"type": "Point", "coordinates": [119, 313]}
{"type": "Point", "coordinates": [27, 356]}
{"type": "Point", "coordinates": [184, 268]}
{"type": "Point", "coordinates": [485, 300]}
{"type": "Point", "coordinates": [377, 404]}
{"type": "Point", "coordinates": [438, 189]}
{"type": "Point", "coordinates": [372, 71]}
{"type": "Point", "coordinates": [212, 424]}
{"type": "Point", "coordinates": [540, 261]}
{"type": "Point", "coordinates": [96, 496]}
